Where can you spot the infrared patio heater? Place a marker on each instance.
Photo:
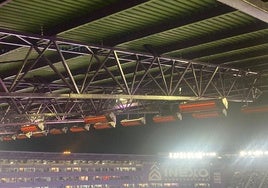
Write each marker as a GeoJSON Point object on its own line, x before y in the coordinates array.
{"type": "Point", "coordinates": [261, 109]}
{"type": "Point", "coordinates": [78, 129]}
{"type": "Point", "coordinates": [104, 121]}
{"type": "Point", "coordinates": [31, 130]}
{"type": "Point", "coordinates": [167, 118]}
{"type": "Point", "coordinates": [58, 131]}
{"type": "Point", "coordinates": [133, 122]}
{"type": "Point", "coordinates": [205, 109]}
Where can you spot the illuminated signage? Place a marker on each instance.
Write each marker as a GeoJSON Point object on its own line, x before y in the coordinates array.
{"type": "Point", "coordinates": [180, 173]}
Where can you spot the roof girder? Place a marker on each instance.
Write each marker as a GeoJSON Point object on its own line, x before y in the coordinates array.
{"type": "Point", "coordinates": [249, 8]}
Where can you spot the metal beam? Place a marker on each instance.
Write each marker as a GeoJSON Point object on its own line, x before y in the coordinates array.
{"type": "Point", "coordinates": [65, 65]}
{"type": "Point", "coordinates": [102, 63]}
{"type": "Point", "coordinates": [248, 8]}
{"type": "Point", "coordinates": [55, 70]}
{"type": "Point", "coordinates": [4, 95]}
{"type": "Point", "coordinates": [196, 81]}
{"type": "Point", "coordinates": [211, 78]}
{"type": "Point", "coordinates": [162, 75]}
{"type": "Point", "coordinates": [13, 102]}
{"type": "Point", "coordinates": [144, 75]}
{"type": "Point", "coordinates": [87, 73]}
{"type": "Point", "coordinates": [5, 2]}
{"type": "Point", "coordinates": [40, 55]}
{"type": "Point", "coordinates": [134, 74]}
{"type": "Point", "coordinates": [191, 88]}
{"type": "Point", "coordinates": [114, 78]}
{"type": "Point", "coordinates": [171, 77]}
{"type": "Point", "coordinates": [180, 79]}
{"type": "Point", "coordinates": [154, 79]}
{"type": "Point", "coordinates": [70, 121]}
{"type": "Point", "coordinates": [121, 72]}
{"type": "Point", "coordinates": [17, 77]}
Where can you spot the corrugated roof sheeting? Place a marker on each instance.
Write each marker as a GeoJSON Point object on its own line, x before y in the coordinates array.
{"type": "Point", "coordinates": [206, 27]}
{"type": "Point", "coordinates": [13, 59]}
{"type": "Point", "coordinates": [11, 62]}
{"type": "Point", "coordinates": [36, 16]}
{"type": "Point", "coordinates": [133, 19]}
{"type": "Point", "coordinates": [258, 64]}
{"type": "Point", "coordinates": [258, 36]}
{"type": "Point", "coordinates": [243, 53]}
{"type": "Point", "coordinates": [79, 62]}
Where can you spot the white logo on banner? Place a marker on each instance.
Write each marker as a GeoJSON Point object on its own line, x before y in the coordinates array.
{"type": "Point", "coordinates": [158, 173]}
{"type": "Point", "coordinates": [155, 174]}
{"type": "Point", "coordinates": [186, 172]}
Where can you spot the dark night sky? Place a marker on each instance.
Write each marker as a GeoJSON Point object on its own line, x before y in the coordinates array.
{"type": "Point", "coordinates": [229, 134]}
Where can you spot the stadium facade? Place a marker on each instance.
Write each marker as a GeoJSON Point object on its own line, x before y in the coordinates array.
{"type": "Point", "coordinates": [72, 170]}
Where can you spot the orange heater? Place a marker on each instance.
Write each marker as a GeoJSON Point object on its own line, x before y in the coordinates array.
{"type": "Point", "coordinates": [7, 138]}
{"type": "Point", "coordinates": [201, 106]}
{"type": "Point", "coordinates": [106, 125]}
{"type": "Point", "coordinates": [209, 114]}
{"type": "Point", "coordinates": [169, 118]}
{"type": "Point", "coordinates": [110, 117]}
{"type": "Point", "coordinates": [254, 109]}
{"type": "Point", "coordinates": [55, 131]}
{"type": "Point", "coordinates": [40, 134]}
{"type": "Point", "coordinates": [24, 136]}
{"type": "Point", "coordinates": [76, 129]}
{"type": "Point", "coordinates": [133, 122]}
{"type": "Point", "coordinates": [21, 136]}
{"type": "Point", "coordinates": [29, 128]}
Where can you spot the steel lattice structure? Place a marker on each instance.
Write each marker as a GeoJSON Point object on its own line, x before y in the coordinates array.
{"type": "Point", "coordinates": [145, 81]}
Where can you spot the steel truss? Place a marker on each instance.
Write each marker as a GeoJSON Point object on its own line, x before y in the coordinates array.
{"type": "Point", "coordinates": [112, 79]}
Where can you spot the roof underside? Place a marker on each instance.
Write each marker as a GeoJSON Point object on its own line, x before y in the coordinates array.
{"type": "Point", "coordinates": [102, 50]}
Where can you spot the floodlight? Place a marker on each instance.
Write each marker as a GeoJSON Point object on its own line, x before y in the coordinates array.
{"type": "Point", "coordinates": [253, 153]}
{"type": "Point", "coordinates": [192, 155]}
{"type": "Point", "coordinates": [67, 152]}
